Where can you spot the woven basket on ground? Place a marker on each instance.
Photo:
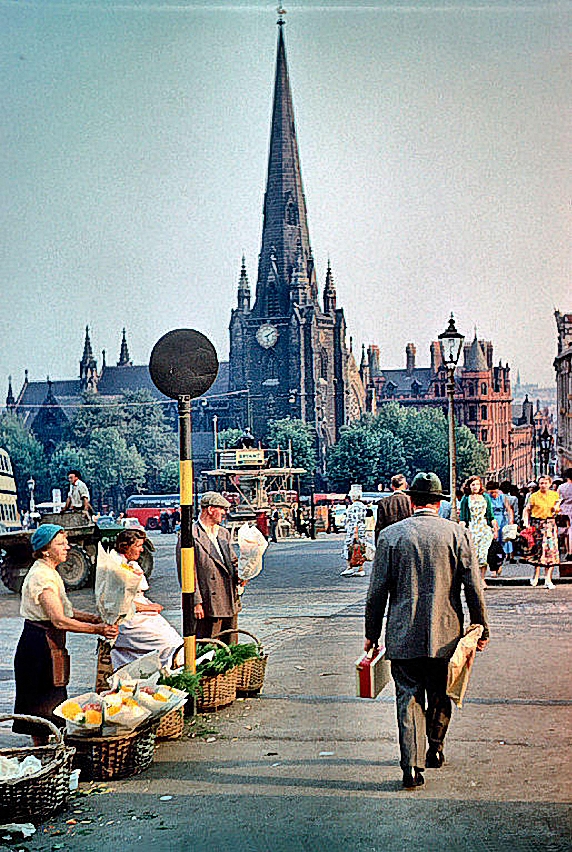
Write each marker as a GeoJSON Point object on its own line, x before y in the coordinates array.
{"type": "Point", "coordinates": [250, 673]}
{"type": "Point", "coordinates": [36, 797]}
{"type": "Point", "coordinates": [104, 668]}
{"type": "Point", "coordinates": [219, 690]}
{"type": "Point", "coordinates": [171, 725]}
{"type": "Point", "coordinates": [103, 758]}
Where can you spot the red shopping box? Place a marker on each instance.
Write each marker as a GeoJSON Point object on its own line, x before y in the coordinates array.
{"type": "Point", "coordinates": [373, 672]}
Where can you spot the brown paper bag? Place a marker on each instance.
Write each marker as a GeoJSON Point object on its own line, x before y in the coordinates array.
{"type": "Point", "coordinates": [461, 663]}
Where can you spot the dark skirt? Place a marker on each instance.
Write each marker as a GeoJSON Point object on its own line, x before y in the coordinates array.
{"type": "Point", "coordinates": [36, 694]}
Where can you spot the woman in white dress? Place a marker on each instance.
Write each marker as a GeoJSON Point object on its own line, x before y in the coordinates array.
{"type": "Point", "coordinates": [147, 630]}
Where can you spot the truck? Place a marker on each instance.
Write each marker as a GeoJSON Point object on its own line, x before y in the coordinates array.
{"type": "Point", "coordinates": [79, 568]}
{"type": "Point", "coordinates": [254, 486]}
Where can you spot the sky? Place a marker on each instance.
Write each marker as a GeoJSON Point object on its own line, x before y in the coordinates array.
{"type": "Point", "coordinates": [435, 149]}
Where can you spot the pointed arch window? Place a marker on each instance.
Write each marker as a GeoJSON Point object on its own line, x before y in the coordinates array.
{"type": "Point", "coordinates": [324, 365]}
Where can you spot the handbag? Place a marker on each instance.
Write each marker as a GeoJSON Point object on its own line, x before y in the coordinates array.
{"type": "Point", "coordinates": [357, 555]}
{"type": "Point", "coordinates": [509, 532]}
{"type": "Point", "coordinates": [495, 555]}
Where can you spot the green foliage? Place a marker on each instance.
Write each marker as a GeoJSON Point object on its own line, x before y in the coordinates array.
{"type": "Point", "coordinates": [404, 440]}
{"type": "Point", "coordinates": [27, 455]}
{"type": "Point", "coordinates": [227, 438]}
{"type": "Point", "coordinates": [301, 436]}
{"type": "Point", "coordinates": [187, 681]}
{"type": "Point", "coordinates": [366, 453]}
{"type": "Point", "coordinates": [244, 651]}
{"type": "Point", "coordinates": [221, 662]}
{"type": "Point", "coordinates": [109, 460]}
{"type": "Point", "coordinates": [168, 482]}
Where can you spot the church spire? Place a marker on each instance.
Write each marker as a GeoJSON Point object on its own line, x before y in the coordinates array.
{"type": "Point", "coordinates": [243, 289]}
{"type": "Point", "coordinates": [285, 227]}
{"type": "Point", "coordinates": [10, 401]}
{"type": "Point", "coordinates": [124, 360]}
{"type": "Point", "coordinates": [329, 291]}
{"type": "Point", "coordinates": [87, 350]}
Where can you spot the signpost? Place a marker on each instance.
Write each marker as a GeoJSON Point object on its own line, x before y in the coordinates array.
{"type": "Point", "coordinates": [183, 366]}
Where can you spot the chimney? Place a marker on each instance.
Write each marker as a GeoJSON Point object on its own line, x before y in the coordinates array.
{"type": "Point", "coordinates": [436, 359]}
{"type": "Point", "coordinates": [374, 361]}
{"type": "Point", "coordinates": [410, 352]}
{"type": "Point", "coordinates": [488, 347]}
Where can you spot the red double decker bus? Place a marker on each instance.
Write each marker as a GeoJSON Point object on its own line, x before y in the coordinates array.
{"type": "Point", "coordinates": [147, 508]}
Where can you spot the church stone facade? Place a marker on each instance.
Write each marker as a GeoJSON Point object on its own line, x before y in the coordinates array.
{"type": "Point", "coordinates": [288, 352]}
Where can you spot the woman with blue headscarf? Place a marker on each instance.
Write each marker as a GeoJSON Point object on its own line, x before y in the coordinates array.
{"type": "Point", "coordinates": [41, 663]}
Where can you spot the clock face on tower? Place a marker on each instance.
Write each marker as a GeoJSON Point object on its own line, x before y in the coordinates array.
{"type": "Point", "coordinates": [267, 335]}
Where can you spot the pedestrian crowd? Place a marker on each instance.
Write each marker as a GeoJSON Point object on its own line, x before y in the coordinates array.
{"type": "Point", "coordinates": [422, 566]}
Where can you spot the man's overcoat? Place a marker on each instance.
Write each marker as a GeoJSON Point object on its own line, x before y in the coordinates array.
{"type": "Point", "coordinates": [216, 574]}
{"type": "Point", "coordinates": [420, 565]}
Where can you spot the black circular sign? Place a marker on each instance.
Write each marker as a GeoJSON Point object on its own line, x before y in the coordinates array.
{"type": "Point", "coordinates": [183, 363]}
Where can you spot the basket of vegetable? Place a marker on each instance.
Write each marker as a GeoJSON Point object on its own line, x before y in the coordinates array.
{"type": "Point", "coordinates": [218, 676]}
{"type": "Point", "coordinates": [250, 661]}
{"type": "Point", "coordinates": [34, 781]}
{"type": "Point", "coordinates": [171, 725]}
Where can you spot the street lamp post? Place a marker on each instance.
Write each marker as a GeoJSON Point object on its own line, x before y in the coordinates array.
{"type": "Point", "coordinates": [451, 345]}
{"type": "Point", "coordinates": [31, 483]}
{"type": "Point", "coordinates": [545, 442]}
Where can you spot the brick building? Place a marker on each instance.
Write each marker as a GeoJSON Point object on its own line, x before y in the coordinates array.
{"type": "Point", "coordinates": [483, 399]}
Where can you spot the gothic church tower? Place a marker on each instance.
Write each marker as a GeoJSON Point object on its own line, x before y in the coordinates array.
{"type": "Point", "coordinates": [288, 352]}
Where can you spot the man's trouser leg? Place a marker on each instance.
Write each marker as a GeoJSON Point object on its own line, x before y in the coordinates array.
{"type": "Point", "coordinates": [410, 701]}
{"type": "Point", "coordinates": [438, 703]}
{"type": "Point", "coordinates": [208, 627]}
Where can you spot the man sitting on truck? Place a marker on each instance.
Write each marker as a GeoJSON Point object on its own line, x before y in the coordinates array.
{"type": "Point", "coordinates": [78, 495]}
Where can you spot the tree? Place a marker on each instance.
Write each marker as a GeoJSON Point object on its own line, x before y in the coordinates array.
{"type": "Point", "coordinates": [227, 438]}
{"type": "Point", "coordinates": [404, 440]}
{"type": "Point", "coordinates": [140, 421]}
{"type": "Point", "coordinates": [366, 454]}
{"type": "Point", "coordinates": [109, 461]}
{"type": "Point", "coordinates": [293, 433]}
{"type": "Point", "coordinates": [27, 455]}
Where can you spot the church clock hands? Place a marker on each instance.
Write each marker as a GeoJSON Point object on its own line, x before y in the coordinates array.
{"type": "Point", "coordinates": [267, 335]}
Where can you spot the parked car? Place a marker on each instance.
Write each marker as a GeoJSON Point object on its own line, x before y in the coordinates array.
{"type": "Point", "coordinates": [340, 518]}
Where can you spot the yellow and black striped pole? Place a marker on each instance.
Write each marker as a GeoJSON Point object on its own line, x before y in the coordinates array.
{"type": "Point", "coordinates": [183, 366]}
{"type": "Point", "coordinates": [187, 543]}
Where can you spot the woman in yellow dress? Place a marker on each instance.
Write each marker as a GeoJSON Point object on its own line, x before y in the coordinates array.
{"type": "Point", "coordinates": [543, 505]}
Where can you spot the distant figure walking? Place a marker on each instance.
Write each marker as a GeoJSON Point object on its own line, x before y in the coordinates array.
{"type": "Point", "coordinates": [544, 504]}
{"type": "Point", "coordinates": [476, 513]}
{"type": "Point", "coordinates": [394, 508]}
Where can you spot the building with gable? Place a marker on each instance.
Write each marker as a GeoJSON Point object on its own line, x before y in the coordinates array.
{"type": "Point", "coordinates": [483, 400]}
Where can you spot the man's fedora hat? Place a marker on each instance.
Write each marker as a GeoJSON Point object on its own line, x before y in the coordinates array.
{"type": "Point", "coordinates": [427, 485]}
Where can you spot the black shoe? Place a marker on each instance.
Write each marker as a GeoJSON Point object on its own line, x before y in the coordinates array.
{"type": "Point", "coordinates": [413, 778]}
{"type": "Point", "coordinates": [434, 759]}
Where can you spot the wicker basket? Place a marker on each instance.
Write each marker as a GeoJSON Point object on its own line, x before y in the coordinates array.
{"type": "Point", "coordinates": [171, 725]}
{"type": "Point", "coordinates": [250, 673]}
{"type": "Point", "coordinates": [219, 690]}
{"type": "Point", "coordinates": [36, 797]}
{"type": "Point", "coordinates": [103, 758]}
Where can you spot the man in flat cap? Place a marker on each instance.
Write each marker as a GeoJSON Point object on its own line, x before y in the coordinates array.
{"type": "Point", "coordinates": [420, 565]}
{"type": "Point", "coordinates": [216, 590]}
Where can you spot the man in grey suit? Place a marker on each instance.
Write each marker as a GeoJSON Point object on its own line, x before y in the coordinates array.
{"type": "Point", "coordinates": [394, 508]}
{"type": "Point", "coordinates": [217, 602]}
{"type": "Point", "coordinates": [420, 565]}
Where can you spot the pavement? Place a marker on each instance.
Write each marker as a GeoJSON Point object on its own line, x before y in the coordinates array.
{"type": "Point", "coordinates": [307, 766]}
